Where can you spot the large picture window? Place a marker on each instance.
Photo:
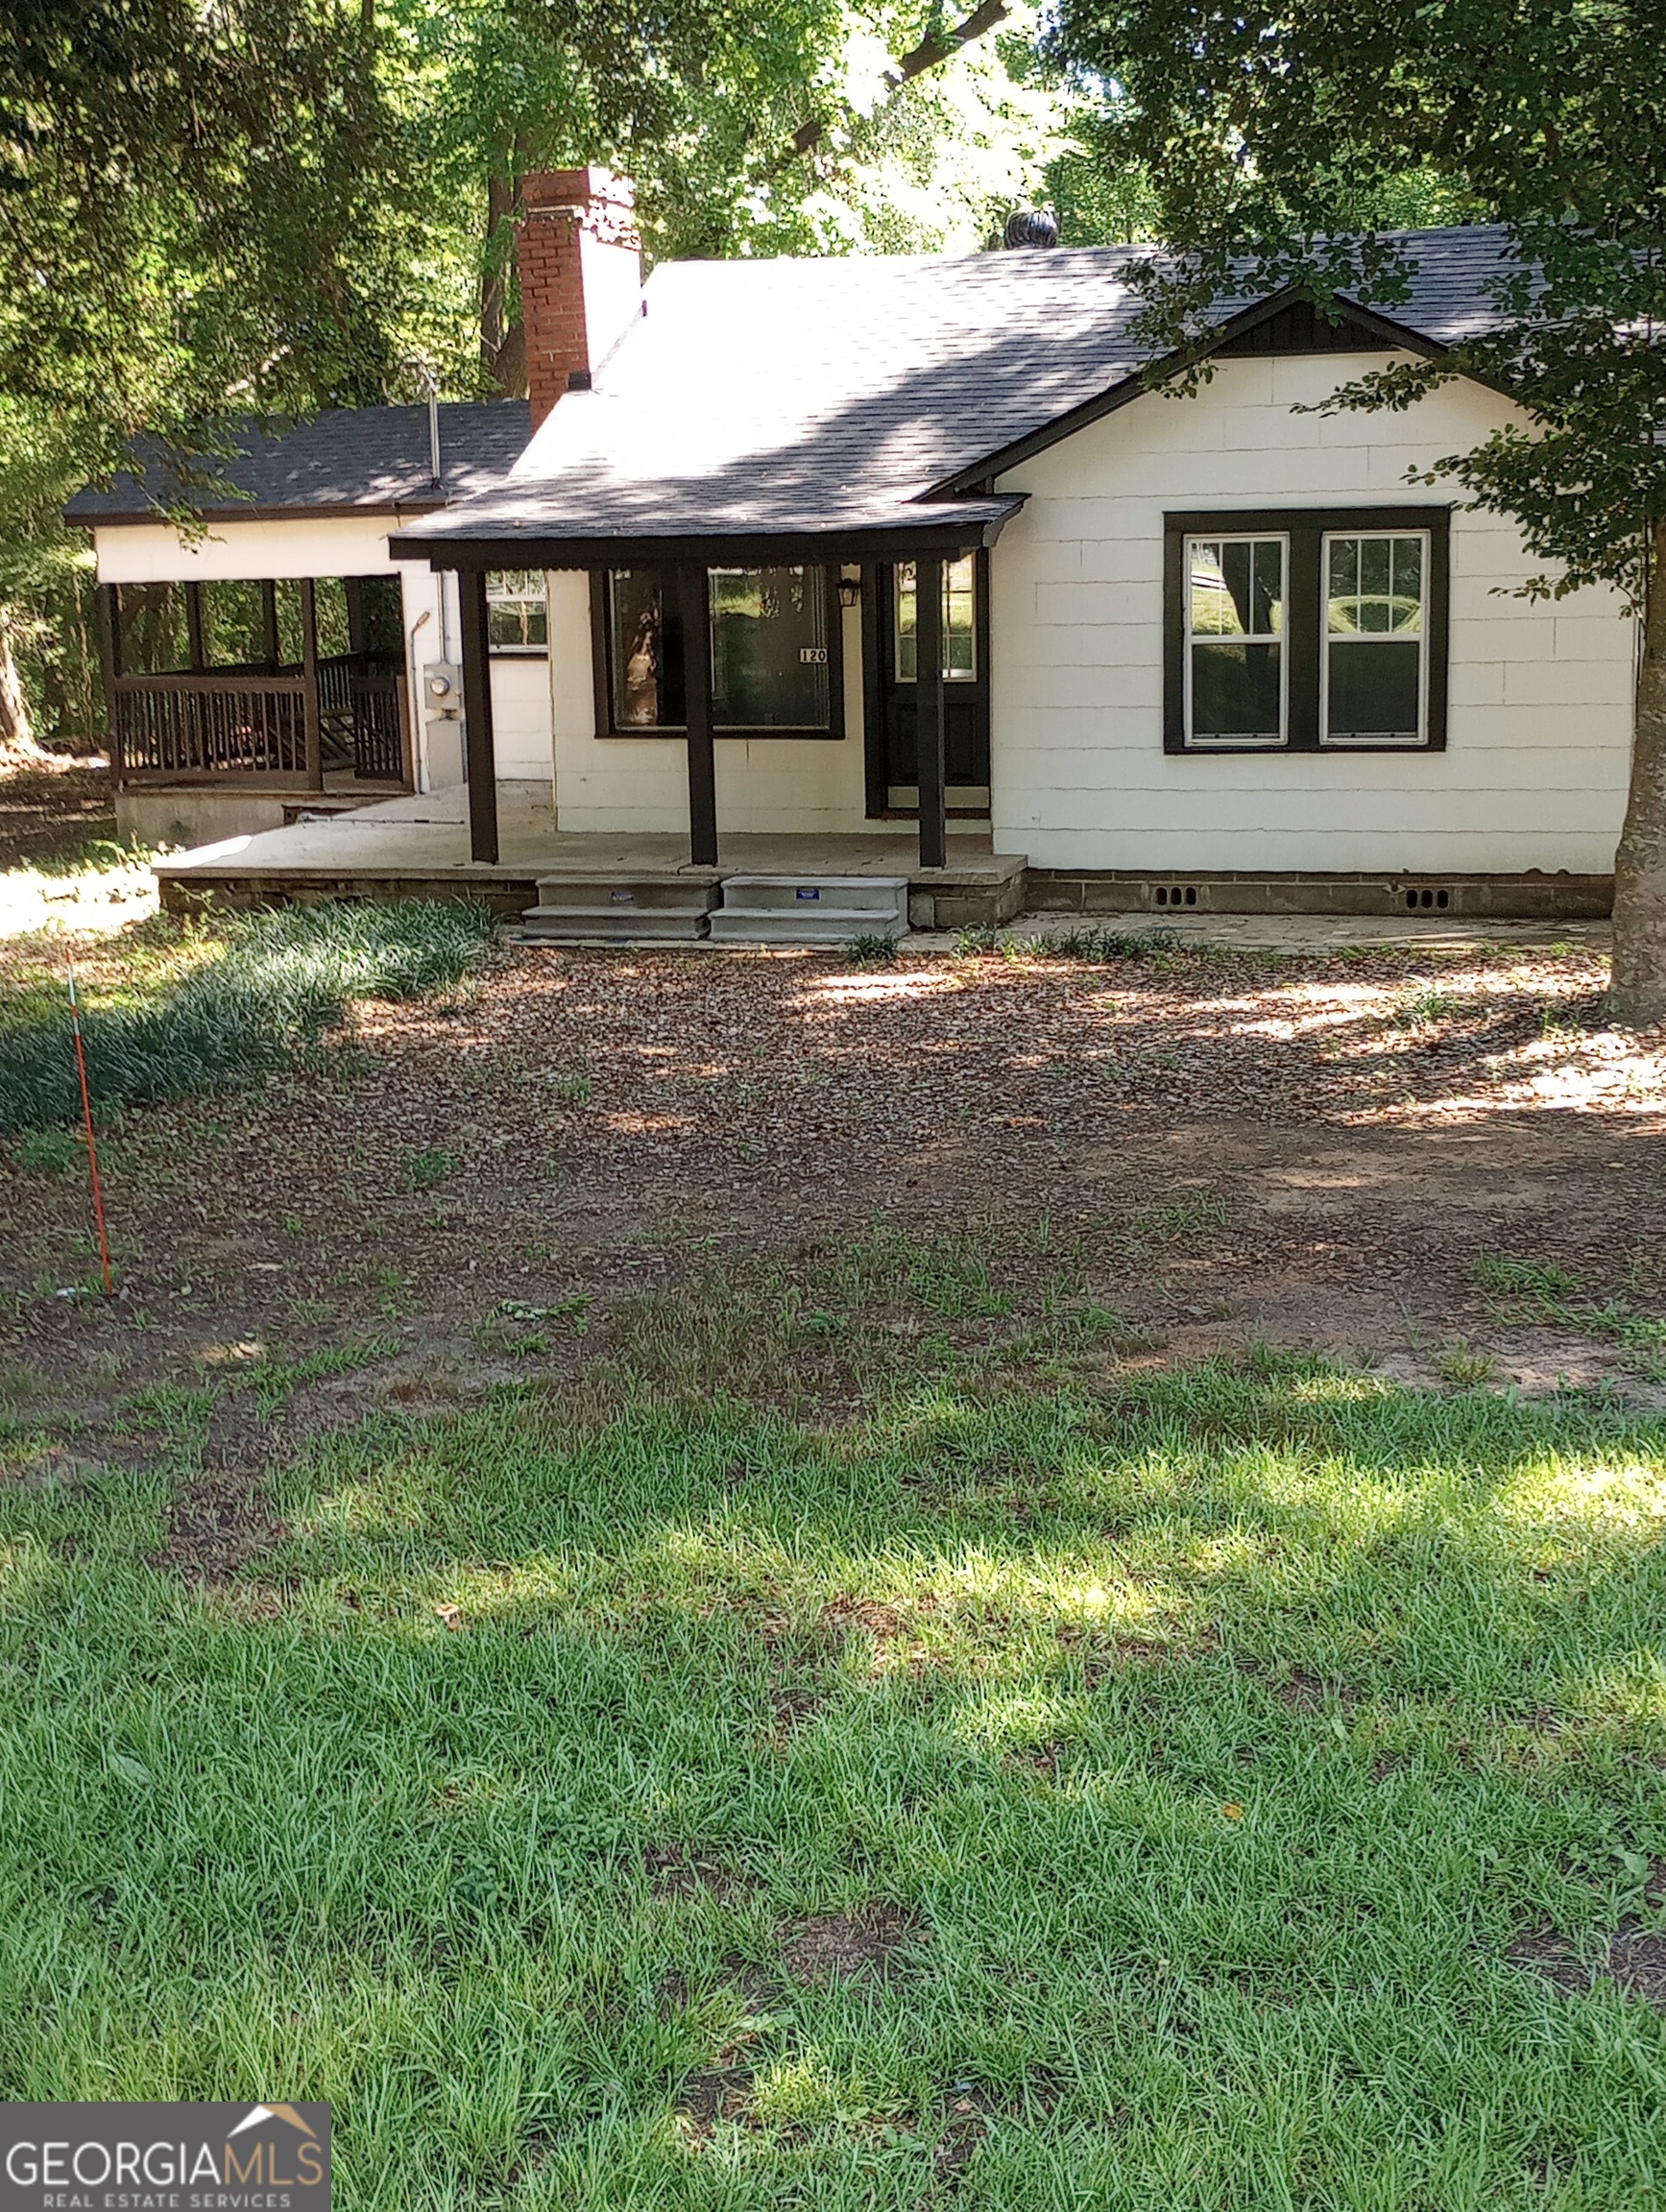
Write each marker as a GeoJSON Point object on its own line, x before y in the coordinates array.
{"type": "Point", "coordinates": [772, 643]}
{"type": "Point", "coordinates": [769, 649]}
{"type": "Point", "coordinates": [1235, 668]}
{"type": "Point", "coordinates": [1374, 639]}
{"type": "Point", "coordinates": [1305, 630]}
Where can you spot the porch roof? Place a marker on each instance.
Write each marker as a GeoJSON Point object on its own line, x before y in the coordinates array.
{"type": "Point", "coordinates": [586, 525]}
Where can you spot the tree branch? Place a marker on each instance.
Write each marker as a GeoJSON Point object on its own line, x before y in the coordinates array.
{"type": "Point", "coordinates": [905, 68]}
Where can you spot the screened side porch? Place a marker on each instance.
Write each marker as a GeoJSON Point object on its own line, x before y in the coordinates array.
{"type": "Point", "coordinates": [282, 684]}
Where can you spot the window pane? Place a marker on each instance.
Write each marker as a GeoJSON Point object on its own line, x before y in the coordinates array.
{"type": "Point", "coordinates": [1235, 691]}
{"type": "Point", "coordinates": [1375, 586]}
{"type": "Point", "coordinates": [769, 649]}
{"type": "Point", "coordinates": [1375, 690]}
{"type": "Point", "coordinates": [645, 693]}
{"type": "Point", "coordinates": [1236, 586]}
{"type": "Point", "coordinates": [959, 621]}
{"type": "Point", "coordinates": [517, 609]}
{"type": "Point", "coordinates": [1407, 587]}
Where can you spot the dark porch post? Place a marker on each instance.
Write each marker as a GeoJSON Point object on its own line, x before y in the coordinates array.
{"type": "Point", "coordinates": [479, 752]}
{"type": "Point", "coordinates": [269, 621]}
{"type": "Point", "coordinates": [929, 710]}
{"type": "Point", "coordinates": [312, 722]}
{"type": "Point", "coordinates": [691, 591]}
{"type": "Point", "coordinates": [109, 622]}
{"type": "Point", "coordinates": [199, 651]}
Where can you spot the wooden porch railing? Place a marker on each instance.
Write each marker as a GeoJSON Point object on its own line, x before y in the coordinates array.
{"type": "Point", "coordinates": [252, 723]}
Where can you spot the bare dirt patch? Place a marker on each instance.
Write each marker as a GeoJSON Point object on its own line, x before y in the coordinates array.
{"type": "Point", "coordinates": [872, 1942]}
{"type": "Point", "coordinates": [51, 810]}
{"type": "Point", "coordinates": [1633, 1961]}
{"type": "Point", "coordinates": [715, 2094]}
{"type": "Point", "coordinates": [1173, 1158]}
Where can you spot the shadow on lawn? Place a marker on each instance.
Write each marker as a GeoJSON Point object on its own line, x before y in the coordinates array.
{"type": "Point", "coordinates": [1198, 1730]}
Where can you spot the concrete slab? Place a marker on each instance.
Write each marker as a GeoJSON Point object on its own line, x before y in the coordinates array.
{"type": "Point", "coordinates": [418, 846]}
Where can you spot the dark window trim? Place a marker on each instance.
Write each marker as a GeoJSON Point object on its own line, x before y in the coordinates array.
{"type": "Point", "coordinates": [601, 664]}
{"type": "Point", "coordinates": [1305, 527]}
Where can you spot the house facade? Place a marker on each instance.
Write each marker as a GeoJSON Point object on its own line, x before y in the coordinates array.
{"type": "Point", "coordinates": [913, 550]}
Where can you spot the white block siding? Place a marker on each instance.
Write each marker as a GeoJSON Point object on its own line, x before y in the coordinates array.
{"type": "Point", "coordinates": [781, 784]}
{"type": "Point", "coordinates": [347, 546]}
{"type": "Point", "coordinates": [1540, 715]}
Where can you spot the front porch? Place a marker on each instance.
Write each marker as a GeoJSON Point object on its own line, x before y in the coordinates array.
{"type": "Point", "coordinates": [418, 847]}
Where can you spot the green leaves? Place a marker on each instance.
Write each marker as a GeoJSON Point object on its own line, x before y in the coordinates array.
{"type": "Point", "coordinates": [1285, 144]}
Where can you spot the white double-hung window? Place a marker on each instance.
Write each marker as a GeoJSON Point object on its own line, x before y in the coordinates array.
{"type": "Point", "coordinates": [1373, 675]}
{"type": "Point", "coordinates": [1236, 671]}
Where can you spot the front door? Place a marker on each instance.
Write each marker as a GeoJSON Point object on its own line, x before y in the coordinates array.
{"type": "Point", "coordinates": [893, 772]}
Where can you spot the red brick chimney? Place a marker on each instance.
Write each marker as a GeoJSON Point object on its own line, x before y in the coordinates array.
{"type": "Point", "coordinates": [581, 275]}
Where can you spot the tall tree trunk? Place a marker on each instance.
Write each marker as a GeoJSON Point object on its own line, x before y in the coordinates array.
{"type": "Point", "coordinates": [503, 342]}
{"type": "Point", "coordinates": [1637, 999]}
{"type": "Point", "coordinates": [16, 730]}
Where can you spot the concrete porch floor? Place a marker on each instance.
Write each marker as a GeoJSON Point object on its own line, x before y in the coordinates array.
{"type": "Point", "coordinates": [418, 846]}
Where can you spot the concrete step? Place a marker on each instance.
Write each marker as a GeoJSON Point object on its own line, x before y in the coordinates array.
{"type": "Point", "coordinates": [692, 893]}
{"type": "Point", "coordinates": [884, 896]}
{"type": "Point", "coordinates": [782, 928]}
{"type": "Point", "coordinates": [613, 925]}
{"type": "Point", "coordinates": [813, 910]}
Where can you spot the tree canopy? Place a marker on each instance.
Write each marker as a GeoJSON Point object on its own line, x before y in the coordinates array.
{"type": "Point", "coordinates": [1284, 139]}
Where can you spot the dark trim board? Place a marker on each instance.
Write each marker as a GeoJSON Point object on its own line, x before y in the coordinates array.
{"type": "Point", "coordinates": [1306, 528]}
{"type": "Point", "coordinates": [755, 550]}
{"type": "Point", "coordinates": [1390, 337]}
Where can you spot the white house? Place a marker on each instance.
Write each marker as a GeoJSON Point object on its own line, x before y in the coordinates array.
{"type": "Point", "coordinates": [974, 599]}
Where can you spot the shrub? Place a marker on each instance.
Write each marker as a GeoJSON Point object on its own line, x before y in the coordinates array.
{"type": "Point", "coordinates": [871, 949]}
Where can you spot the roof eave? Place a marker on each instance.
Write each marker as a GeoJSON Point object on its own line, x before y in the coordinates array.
{"type": "Point", "coordinates": [525, 549]}
{"type": "Point", "coordinates": [331, 511]}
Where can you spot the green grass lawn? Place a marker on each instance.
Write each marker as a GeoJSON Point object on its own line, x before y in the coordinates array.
{"type": "Point", "coordinates": [1187, 1751]}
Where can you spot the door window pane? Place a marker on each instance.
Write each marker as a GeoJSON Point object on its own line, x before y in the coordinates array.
{"type": "Point", "coordinates": [959, 621]}
{"type": "Point", "coordinates": [769, 649]}
{"type": "Point", "coordinates": [516, 609]}
{"type": "Point", "coordinates": [1375, 621]}
{"type": "Point", "coordinates": [1235, 597]}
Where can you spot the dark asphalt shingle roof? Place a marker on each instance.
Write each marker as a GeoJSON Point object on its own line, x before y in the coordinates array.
{"type": "Point", "coordinates": [773, 397]}
{"type": "Point", "coordinates": [804, 395]}
{"type": "Point", "coordinates": [375, 457]}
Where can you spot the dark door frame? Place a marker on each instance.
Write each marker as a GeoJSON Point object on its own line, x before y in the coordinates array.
{"type": "Point", "coordinates": [879, 601]}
